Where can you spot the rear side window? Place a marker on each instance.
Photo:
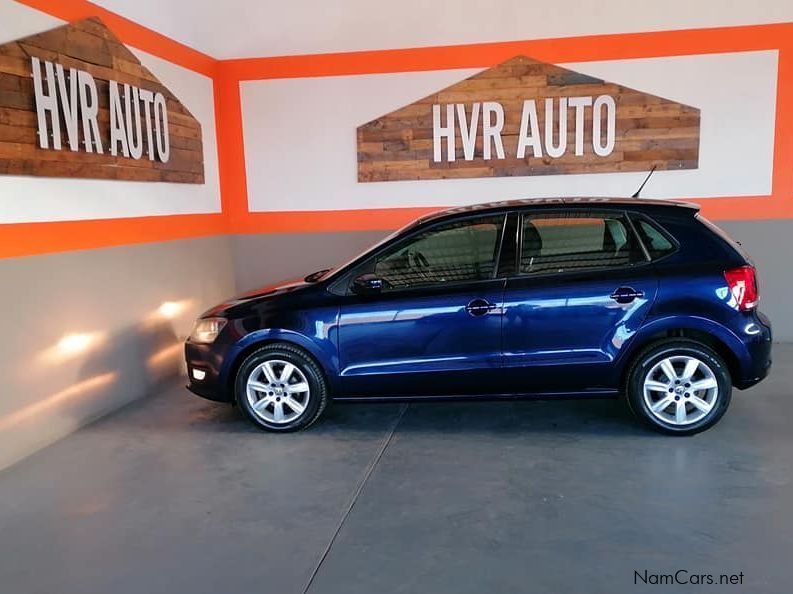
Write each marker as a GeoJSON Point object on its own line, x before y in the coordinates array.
{"type": "Point", "coordinates": [657, 244]}
{"type": "Point", "coordinates": [576, 241]}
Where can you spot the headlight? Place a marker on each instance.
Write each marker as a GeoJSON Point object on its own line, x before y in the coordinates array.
{"type": "Point", "coordinates": [206, 330]}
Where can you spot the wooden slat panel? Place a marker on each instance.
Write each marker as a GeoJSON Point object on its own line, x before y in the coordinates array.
{"type": "Point", "coordinates": [14, 65]}
{"type": "Point", "coordinates": [17, 117]}
{"type": "Point", "coordinates": [89, 46]}
{"type": "Point", "coordinates": [12, 49]}
{"type": "Point", "coordinates": [649, 130]}
{"type": "Point", "coordinates": [106, 171]}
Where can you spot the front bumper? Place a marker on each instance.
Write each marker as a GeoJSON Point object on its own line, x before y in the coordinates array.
{"type": "Point", "coordinates": [206, 358]}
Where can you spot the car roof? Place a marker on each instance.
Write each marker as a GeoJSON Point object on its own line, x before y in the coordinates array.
{"type": "Point", "coordinates": [607, 202]}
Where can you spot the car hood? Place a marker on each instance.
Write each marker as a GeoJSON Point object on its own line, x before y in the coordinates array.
{"type": "Point", "coordinates": [271, 292]}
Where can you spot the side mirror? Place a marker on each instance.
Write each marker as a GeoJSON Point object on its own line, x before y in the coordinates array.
{"type": "Point", "coordinates": [368, 284]}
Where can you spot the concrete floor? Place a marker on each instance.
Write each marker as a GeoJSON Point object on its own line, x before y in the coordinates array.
{"type": "Point", "coordinates": [175, 494]}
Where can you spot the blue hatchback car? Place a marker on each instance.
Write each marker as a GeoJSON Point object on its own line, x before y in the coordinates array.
{"type": "Point", "coordinates": [541, 298]}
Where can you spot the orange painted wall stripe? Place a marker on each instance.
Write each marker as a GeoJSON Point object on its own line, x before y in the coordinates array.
{"type": "Point", "coordinates": [129, 32]}
{"type": "Point", "coordinates": [387, 219]}
{"type": "Point", "coordinates": [29, 239]}
{"type": "Point", "coordinates": [231, 149]}
{"type": "Point", "coordinates": [315, 221]}
{"type": "Point", "coordinates": [588, 48]}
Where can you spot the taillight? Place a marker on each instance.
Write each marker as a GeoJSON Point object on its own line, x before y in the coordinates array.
{"type": "Point", "coordinates": [743, 286]}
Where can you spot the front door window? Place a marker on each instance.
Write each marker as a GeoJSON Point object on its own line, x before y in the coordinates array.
{"type": "Point", "coordinates": [460, 251]}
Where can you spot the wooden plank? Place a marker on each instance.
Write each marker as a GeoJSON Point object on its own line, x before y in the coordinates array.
{"type": "Point", "coordinates": [178, 130]}
{"type": "Point", "coordinates": [132, 68]}
{"type": "Point", "coordinates": [186, 143]}
{"type": "Point", "coordinates": [17, 117]}
{"type": "Point", "coordinates": [17, 100]}
{"type": "Point", "coordinates": [9, 82]}
{"type": "Point", "coordinates": [14, 65]}
{"type": "Point", "coordinates": [179, 177]}
{"type": "Point", "coordinates": [488, 84]}
{"type": "Point", "coordinates": [94, 26]}
{"type": "Point", "coordinates": [12, 49]}
{"type": "Point", "coordinates": [17, 134]}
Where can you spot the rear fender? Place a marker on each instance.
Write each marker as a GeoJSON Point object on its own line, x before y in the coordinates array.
{"type": "Point", "coordinates": [651, 329]}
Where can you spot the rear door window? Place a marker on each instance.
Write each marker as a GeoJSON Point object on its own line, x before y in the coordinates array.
{"type": "Point", "coordinates": [573, 241]}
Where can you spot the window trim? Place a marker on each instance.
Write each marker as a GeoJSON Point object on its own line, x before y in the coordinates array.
{"type": "Point", "coordinates": [638, 237]}
{"type": "Point", "coordinates": [513, 220]}
{"type": "Point", "coordinates": [579, 211]}
{"type": "Point", "coordinates": [354, 271]}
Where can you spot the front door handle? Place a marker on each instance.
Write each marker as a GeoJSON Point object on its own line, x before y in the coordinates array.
{"type": "Point", "coordinates": [626, 295]}
{"type": "Point", "coordinates": [479, 307]}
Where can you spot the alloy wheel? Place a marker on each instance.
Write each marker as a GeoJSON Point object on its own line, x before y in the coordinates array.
{"type": "Point", "coordinates": [277, 391]}
{"type": "Point", "coordinates": [680, 390]}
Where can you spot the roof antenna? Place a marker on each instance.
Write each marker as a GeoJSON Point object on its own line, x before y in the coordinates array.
{"type": "Point", "coordinates": [646, 179]}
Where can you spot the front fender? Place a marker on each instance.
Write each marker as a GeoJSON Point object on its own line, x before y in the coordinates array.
{"type": "Point", "coordinates": [325, 354]}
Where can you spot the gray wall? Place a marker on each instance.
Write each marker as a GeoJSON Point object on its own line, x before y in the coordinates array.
{"type": "Point", "coordinates": [260, 260]}
{"type": "Point", "coordinates": [119, 340]}
{"type": "Point", "coordinates": [770, 244]}
{"type": "Point", "coordinates": [111, 299]}
{"type": "Point", "coordinates": [263, 259]}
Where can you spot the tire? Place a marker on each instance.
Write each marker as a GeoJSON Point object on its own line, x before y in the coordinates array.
{"type": "Point", "coordinates": [681, 405]}
{"type": "Point", "coordinates": [271, 379]}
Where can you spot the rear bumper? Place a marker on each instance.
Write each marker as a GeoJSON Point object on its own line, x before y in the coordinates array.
{"type": "Point", "coordinates": [757, 361]}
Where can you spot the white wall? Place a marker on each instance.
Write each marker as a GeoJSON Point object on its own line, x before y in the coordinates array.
{"type": "Point", "coordinates": [29, 199]}
{"type": "Point", "coordinates": [300, 144]}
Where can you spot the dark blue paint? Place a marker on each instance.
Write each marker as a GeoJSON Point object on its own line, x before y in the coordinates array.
{"type": "Point", "coordinates": [554, 334]}
{"type": "Point", "coordinates": [420, 338]}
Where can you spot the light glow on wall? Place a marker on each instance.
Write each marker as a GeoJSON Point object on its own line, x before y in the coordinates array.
{"type": "Point", "coordinates": [75, 343]}
{"type": "Point", "coordinates": [71, 395]}
{"type": "Point", "coordinates": [72, 345]}
{"type": "Point", "coordinates": [165, 357]}
{"type": "Point", "coordinates": [173, 309]}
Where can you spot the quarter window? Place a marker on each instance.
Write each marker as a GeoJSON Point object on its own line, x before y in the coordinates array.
{"type": "Point", "coordinates": [656, 243]}
{"type": "Point", "coordinates": [453, 252]}
{"type": "Point", "coordinates": [576, 241]}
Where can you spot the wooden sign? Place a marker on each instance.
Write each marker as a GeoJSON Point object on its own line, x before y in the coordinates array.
{"type": "Point", "coordinates": [75, 102]}
{"type": "Point", "coordinates": [525, 117]}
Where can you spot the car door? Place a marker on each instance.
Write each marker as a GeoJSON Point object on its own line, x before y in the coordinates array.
{"type": "Point", "coordinates": [435, 326]}
{"type": "Point", "coordinates": [582, 288]}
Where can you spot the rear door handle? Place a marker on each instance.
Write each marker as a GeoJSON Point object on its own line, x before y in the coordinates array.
{"type": "Point", "coordinates": [626, 294]}
{"type": "Point", "coordinates": [479, 307]}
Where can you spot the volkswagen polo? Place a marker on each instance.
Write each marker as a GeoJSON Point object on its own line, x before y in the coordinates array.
{"type": "Point", "coordinates": [643, 299]}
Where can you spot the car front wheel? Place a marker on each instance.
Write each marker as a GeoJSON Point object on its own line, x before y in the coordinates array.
{"type": "Point", "coordinates": [679, 387]}
{"type": "Point", "coordinates": [280, 388]}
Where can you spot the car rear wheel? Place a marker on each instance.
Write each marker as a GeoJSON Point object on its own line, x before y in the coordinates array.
{"type": "Point", "coordinates": [679, 387]}
{"type": "Point", "coordinates": [280, 388]}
